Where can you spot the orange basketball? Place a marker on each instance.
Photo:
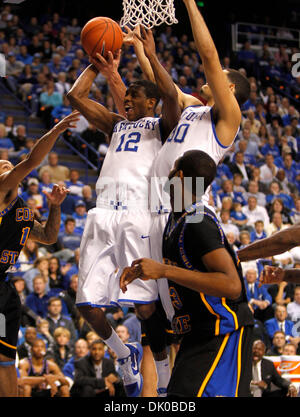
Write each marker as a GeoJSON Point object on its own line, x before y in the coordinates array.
{"type": "Point", "coordinates": [101, 34]}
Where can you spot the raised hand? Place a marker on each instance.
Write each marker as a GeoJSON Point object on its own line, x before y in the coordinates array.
{"type": "Point", "coordinates": [147, 39]}
{"type": "Point", "coordinates": [271, 275]}
{"type": "Point", "coordinates": [130, 37]}
{"type": "Point", "coordinates": [107, 66]}
{"type": "Point", "coordinates": [68, 122]}
{"type": "Point", "coordinates": [57, 195]}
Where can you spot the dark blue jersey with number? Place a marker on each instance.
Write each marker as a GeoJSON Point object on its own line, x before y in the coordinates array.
{"type": "Point", "coordinates": [185, 243]}
{"type": "Point", "coordinates": [16, 222]}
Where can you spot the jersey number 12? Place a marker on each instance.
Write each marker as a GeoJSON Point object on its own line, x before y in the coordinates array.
{"type": "Point", "coordinates": [132, 138]}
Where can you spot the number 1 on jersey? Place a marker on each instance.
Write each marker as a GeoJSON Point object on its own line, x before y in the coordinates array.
{"type": "Point", "coordinates": [25, 234]}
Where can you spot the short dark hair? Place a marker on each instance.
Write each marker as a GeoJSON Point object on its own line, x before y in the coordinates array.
{"type": "Point", "coordinates": [151, 90]}
{"type": "Point", "coordinates": [198, 164]}
{"type": "Point", "coordinates": [52, 299]}
{"type": "Point", "coordinates": [242, 86]}
{"type": "Point", "coordinates": [70, 220]}
{"type": "Point", "coordinates": [97, 342]}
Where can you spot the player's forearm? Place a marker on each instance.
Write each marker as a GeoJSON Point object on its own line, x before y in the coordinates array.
{"type": "Point", "coordinates": [118, 91]}
{"type": "Point", "coordinates": [52, 226]}
{"type": "Point", "coordinates": [33, 381]}
{"type": "Point", "coordinates": [82, 86]}
{"type": "Point", "coordinates": [201, 34]}
{"type": "Point", "coordinates": [215, 284]}
{"type": "Point", "coordinates": [292, 275]}
{"type": "Point", "coordinates": [144, 61]}
{"type": "Point", "coordinates": [163, 79]}
{"type": "Point", "coordinates": [43, 147]}
{"type": "Point", "coordinates": [275, 245]}
{"type": "Point", "coordinates": [47, 234]}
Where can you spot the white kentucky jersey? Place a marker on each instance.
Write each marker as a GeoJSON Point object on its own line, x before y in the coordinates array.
{"type": "Point", "coordinates": [195, 131]}
{"type": "Point", "coordinates": [125, 175]}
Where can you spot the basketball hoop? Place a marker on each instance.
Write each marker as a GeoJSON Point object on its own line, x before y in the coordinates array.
{"type": "Point", "coordinates": [148, 13]}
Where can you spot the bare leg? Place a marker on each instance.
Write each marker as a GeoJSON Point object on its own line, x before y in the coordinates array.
{"type": "Point", "coordinates": [96, 318]}
{"type": "Point", "coordinates": [148, 370]}
{"type": "Point", "coordinates": [8, 378]}
{"type": "Point", "coordinates": [156, 332]}
{"type": "Point", "coordinates": [144, 312]}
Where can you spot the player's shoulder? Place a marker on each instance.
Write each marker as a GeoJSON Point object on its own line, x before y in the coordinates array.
{"type": "Point", "coordinates": [24, 363]}
{"type": "Point", "coordinates": [203, 224]}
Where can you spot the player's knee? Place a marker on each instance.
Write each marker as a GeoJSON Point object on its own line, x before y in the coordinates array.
{"type": "Point", "coordinates": [145, 311]}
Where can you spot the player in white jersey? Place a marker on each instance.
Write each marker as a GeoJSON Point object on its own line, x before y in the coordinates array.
{"type": "Point", "coordinates": [211, 128]}
{"type": "Point", "coordinates": [117, 230]}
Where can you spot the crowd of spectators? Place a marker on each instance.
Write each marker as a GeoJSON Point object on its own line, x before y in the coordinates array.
{"type": "Point", "coordinates": [256, 193]}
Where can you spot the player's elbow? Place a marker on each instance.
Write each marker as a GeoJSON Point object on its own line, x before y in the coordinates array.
{"type": "Point", "coordinates": [72, 97]}
{"type": "Point", "coordinates": [209, 54]}
{"type": "Point", "coordinates": [75, 96]}
{"type": "Point", "coordinates": [234, 289]}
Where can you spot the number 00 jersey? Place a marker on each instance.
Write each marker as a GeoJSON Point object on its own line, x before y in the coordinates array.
{"type": "Point", "coordinates": [198, 313]}
{"type": "Point", "coordinates": [16, 222]}
{"type": "Point", "coordinates": [195, 131]}
{"type": "Point", "coordinates": [126, 171]}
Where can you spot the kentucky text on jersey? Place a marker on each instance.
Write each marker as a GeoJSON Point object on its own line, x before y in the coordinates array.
{"type": "Point", "coordinates": [143, 124]}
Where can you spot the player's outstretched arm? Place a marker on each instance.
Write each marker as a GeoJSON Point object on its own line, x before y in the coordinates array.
{"type": "Point", "coordinates": [109, 68]}
{"type": "Point", "coordinates": [48, 234]}
{"type": "Point", "coordinates": [225, 102]}
{"type": "Point", "coordinates": [11, 179]}
{"type": "Point", "coordinates": [170, 109]}
{"type": "Point", "coordinates": [94, 112]}
{"type": "Point", "coordinates": [276, 244]}
{"type": "Point", "coordinates": [132, 38]}
{"type": "Point", "coordinates": [222, 281]}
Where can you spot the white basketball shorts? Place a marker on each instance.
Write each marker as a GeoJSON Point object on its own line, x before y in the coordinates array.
{"type": "Point", "coordinates": [158, 225]}
{"type": "Point", "coordinates": [111, 241]}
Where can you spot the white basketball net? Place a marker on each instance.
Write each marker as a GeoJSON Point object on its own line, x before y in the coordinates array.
{"type": "Point", "coordinates": [148, 13]}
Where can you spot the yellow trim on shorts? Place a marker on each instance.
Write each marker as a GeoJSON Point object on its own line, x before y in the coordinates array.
{"type": "Point", "coordinates": [209, 308]}
{"type": "Point", "coordinates": [7, 345]}
{"type": "Point", "coordinates": [214, 365]}
{"type": "Point", "coordinates": [236, 322]}
{"type": "Point", "coordinates": [239, 361]}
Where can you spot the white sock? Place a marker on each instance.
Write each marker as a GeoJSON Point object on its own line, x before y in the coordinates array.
{"type": "Point", "coordinates": [163, 373]}
{"type": "Point", "coordinates": [116, 344]}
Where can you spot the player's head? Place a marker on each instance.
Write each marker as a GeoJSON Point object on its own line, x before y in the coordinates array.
{"type": "Point", "coordinates": [238, 84]}
{"type": "Point", "coordinates": [195, 164]}
{"type": "Point", "coordinates": [5, 166]}
{"type": "Point", "coordinates": [189, 168]}
{"type": "Point", "coordinates": [38, 349]}
{"type": "Point", "coordinates": [141, 99]}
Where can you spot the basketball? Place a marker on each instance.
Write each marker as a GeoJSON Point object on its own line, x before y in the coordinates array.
{"type": "Point", "coordinates": [100, 35]}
